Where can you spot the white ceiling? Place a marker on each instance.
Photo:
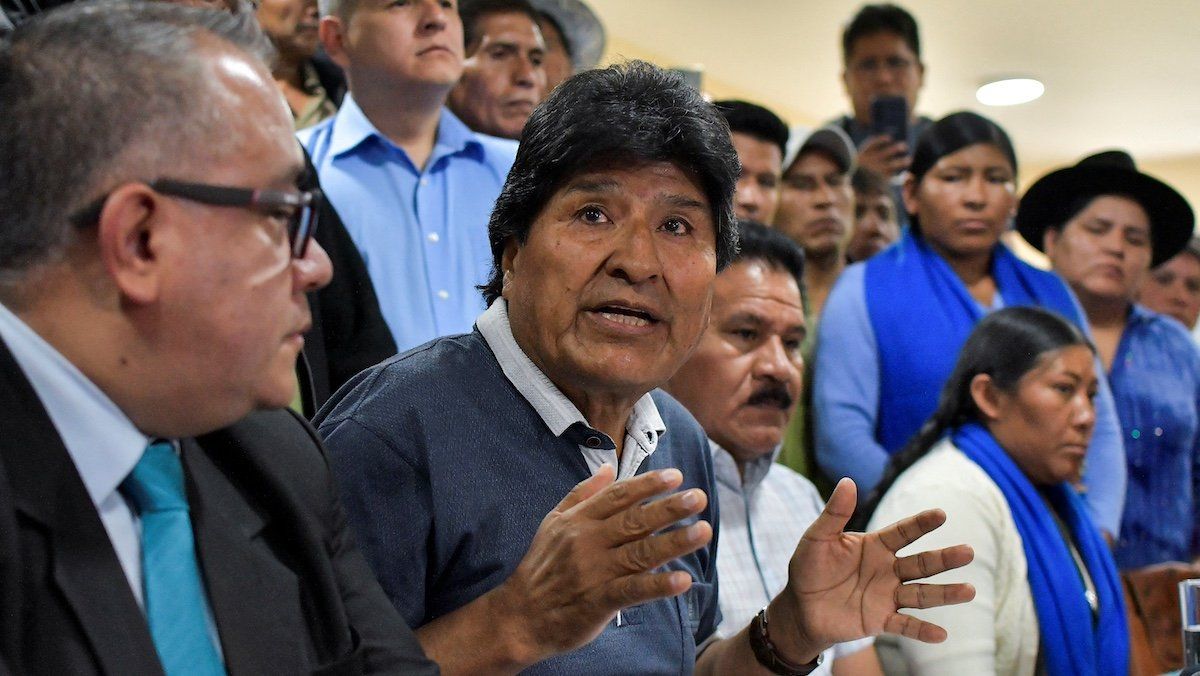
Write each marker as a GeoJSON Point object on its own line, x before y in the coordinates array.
{"type": "Point", "coordinates": [1118, 73]}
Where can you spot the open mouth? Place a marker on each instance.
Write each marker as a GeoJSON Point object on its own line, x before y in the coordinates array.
{"type": "Point", "coordinates": [627, 316]}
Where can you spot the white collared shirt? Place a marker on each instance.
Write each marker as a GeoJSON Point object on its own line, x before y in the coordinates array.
{"type": "Point", "coordinates": [642, 431]}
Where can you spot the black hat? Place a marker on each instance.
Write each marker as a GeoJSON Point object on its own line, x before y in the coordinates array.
{"type": "Point", "coordinates": [1048, 202]}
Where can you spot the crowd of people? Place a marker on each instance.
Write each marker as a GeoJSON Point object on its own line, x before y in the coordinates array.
{"type": "Point", "coordinates": [394, 336]}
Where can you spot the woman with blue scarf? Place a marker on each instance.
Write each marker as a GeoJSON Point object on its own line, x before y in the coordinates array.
{"type": "Point", "coordinates": [893, 326]}
{"type": "Point", "coordinates": [1009, 434]}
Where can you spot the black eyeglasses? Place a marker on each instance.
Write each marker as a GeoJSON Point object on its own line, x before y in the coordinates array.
{"type": "Point", "coordinates": [299, 208]}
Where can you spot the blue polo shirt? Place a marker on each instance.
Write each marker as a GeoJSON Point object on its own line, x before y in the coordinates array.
{"type": "Point", "coordinates": [447, 469]}
{"type": "Point", "coordinates": [421, 232]}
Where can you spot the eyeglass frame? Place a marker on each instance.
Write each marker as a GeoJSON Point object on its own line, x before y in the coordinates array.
{"type": "Point", "coordinates": [301, 225]}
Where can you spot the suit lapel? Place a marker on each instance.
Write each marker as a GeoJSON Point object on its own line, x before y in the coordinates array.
{"type": "Point", "coordinates": [47, 490]}
{"type": "Point", "coordinates": [255, 599]}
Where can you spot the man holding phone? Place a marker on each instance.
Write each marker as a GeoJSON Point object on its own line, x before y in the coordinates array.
{"type": "Point", "coordinates": [883, 72]}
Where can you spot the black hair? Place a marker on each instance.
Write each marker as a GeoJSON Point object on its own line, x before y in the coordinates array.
{"type": "Point", "coordinates": [867, 182]}
{"type": "Point", "coordinates": [473, 11]}
{"type": "Point", "coordinates": [757, 242]}
{"type": "Point", "coordinates": [624, 115]}
{"type": "Point", "coordinates": [950, 135]}
{"type": "Point", "coordinates": [754, 120]}
{"type": "Point", "coordinates": [1006, 345]}
{"type": "Point", "coordinates": [885, 18]}
{"type": "Point", "coordinates": [953, 133]}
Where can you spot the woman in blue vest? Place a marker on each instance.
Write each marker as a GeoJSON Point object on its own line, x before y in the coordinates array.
{"type": "Point", "coordinates": [1009, 434]}
{"type": "Point", "coordinates": [893, 325]}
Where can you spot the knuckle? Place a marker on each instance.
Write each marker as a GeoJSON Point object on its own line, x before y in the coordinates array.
{"type": "Point", "coordinates": [632, 521]}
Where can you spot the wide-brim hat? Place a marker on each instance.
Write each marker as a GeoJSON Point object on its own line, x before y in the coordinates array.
{"type": "Point", "coordinates": [1048, 202]}
{"type": "Point", "coordinates": [831, 140]}
{"type": "Point", "coordinates": [580, 26]}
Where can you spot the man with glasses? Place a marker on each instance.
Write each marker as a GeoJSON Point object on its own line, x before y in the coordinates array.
{"type": "Point", "coordinates": [881, 56]}
{"type": "Point", "coordinates": [154, 517]}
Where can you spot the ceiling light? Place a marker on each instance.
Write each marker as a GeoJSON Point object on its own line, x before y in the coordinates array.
{"type": "Point", "coordinates": [1009, 91]}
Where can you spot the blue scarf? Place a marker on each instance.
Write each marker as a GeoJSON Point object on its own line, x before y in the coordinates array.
{"type": "Point", "coordinates": [922, 313]}
{"type": "Point", "coordinates": [1071, 642]}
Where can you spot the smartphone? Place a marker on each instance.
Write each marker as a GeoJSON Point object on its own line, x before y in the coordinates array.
{"type": "Point", "coordinates": [889, 117]}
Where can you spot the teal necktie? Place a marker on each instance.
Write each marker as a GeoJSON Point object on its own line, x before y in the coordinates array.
{"type": "Point", "coordinates": [174, 592]}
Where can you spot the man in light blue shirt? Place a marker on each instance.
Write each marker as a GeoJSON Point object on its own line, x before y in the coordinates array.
{"type": "Point", "coordinates": [413, 184]}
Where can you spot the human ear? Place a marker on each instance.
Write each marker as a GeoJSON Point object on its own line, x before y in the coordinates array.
{"type": "Point", "coordinates": [127, 231]}
{"type": "Point", "coordinates": [1050, 241]}
{"type": "Point", "coordinates": [909, 194]}
{"type": "Point", "coordinates": [987, 396]}
{"type": "Point", "coordinates": [508, 261]}
{"type": "Point", "coordinates": [332, 34]}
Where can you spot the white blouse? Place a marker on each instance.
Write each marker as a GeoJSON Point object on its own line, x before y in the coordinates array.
{"type": "Point", "coordinates": [997, 632]}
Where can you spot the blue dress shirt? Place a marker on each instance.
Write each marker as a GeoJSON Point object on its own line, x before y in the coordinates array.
{"type": "Point", "coordinates": [1155, 380]}
{"type": "Point", "coordinates": [421, 231]}
{"type": "Point", "coordinates": [846, 405]}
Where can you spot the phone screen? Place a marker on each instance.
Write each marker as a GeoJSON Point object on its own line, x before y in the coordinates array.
{"type": "Point", "coordinates": [889, 117]}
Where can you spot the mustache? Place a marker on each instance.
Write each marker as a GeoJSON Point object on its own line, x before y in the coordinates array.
{"type": "Point", "coordinates": [773, 393]}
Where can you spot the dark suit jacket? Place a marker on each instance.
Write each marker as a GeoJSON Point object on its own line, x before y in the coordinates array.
{"type": "Point", "coordinates": [290, 592]}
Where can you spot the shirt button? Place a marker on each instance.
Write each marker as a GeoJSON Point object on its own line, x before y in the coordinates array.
{"type": "Point", "coordinates": [443, 294]}
{"type": "Point", "coordinates": [1158, 431]}
{"type": "Point", "coordinates": [592, 442]}
{"type": "Point", "coordinates": [432, 237]}
{"type": "Point", "coordinates": [424, 181]}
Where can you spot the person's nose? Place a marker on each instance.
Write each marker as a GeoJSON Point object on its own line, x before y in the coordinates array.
{"type": "Point", "coordinates": [635, 257]}
{"type": "Point", "coordinates": [313, 270]}
{"type": "Point", "coordinates": [434, 17]}
{"type": "Point", "coordinates": [773, 359]}
{"type": "Point", "coordinates": [748, 199]}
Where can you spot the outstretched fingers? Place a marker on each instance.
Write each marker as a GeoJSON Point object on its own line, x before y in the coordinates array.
{"type": "Point", "coordinates": [641, 588]}
{"type": "Point", "coordinates": [910, 627]}
{"type": "Point", "coordinates": [837, 512]}
{"type": "Point", "coordinates": [618, 496]}
{"type": "Point", "coordinates": [906, 531]}
{"type": "Point", "coordinates": [588, 487]}
{"type": "Point", "coordinates": [933, 562]}
{"type": "Point", "coordinates": [916, 595]}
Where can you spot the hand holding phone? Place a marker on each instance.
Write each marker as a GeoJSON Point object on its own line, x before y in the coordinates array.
{"type": "Point", "coordinates": [889, 117]}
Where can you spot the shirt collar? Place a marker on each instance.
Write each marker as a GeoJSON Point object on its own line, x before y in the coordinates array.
{"type": "Point", "coordinates": [351, 128]}
{"type": "Point", "coordinates": [101, 440]}
{"type": "Point", "coordinates": [1139, 314]}
{"type": "Point", "coordinates": [556, 410]}
{"type": "Point", "coordinates": [755, 471]}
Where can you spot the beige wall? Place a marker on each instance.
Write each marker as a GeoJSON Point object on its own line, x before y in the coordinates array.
{"type": "Point", "coordinates": [1182, 173]}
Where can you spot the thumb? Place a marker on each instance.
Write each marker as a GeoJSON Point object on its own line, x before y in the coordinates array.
{"type": "Point", "coordinates": [836, 514]}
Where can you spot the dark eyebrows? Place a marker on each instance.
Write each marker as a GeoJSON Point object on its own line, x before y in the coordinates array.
{"type": "Point", "coordinates": [608, 186]}
{"type": "Point", "coordinates": [745, 318]}
{"type": "Point", "coordinates": [684, 202]}
{"type": "Point", "coordinates": [591, 186]}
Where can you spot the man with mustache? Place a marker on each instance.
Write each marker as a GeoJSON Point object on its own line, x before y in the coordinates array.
{"type": "Point", "coordinates": [503, 78]}
{"type": "Point", "coordinates": [412, 183]}
{"type": "Point", "coordinates": [454, 458]}
{"type": "Point", "coordinates": [742, 383]}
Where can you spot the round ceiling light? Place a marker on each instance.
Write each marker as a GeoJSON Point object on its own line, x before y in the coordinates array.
{"type": "Point", "coordinates": [1010, 91]}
